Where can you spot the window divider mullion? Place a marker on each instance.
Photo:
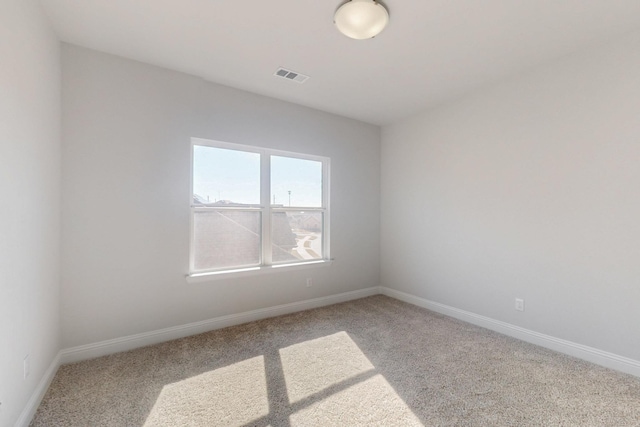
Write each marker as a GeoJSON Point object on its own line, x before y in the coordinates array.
{"type": "Point", "coordinates": [326, 222]}
{"type": "Point", "coordinates": [265, 195]}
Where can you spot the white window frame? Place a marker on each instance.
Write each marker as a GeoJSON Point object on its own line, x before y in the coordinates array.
{"type": "Point", "coordinates": [266, 209]}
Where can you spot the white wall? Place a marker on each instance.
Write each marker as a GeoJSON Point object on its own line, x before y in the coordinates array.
{"type": "Point", "coordinates": [126, 171]}
{"type": "Point", "coordinates": [30, 194]}
{"type": "Point", "coordinates": [527, 189]}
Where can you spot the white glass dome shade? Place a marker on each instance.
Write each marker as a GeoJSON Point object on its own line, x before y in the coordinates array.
{"type": "Point", "coordinates": [361, 19]}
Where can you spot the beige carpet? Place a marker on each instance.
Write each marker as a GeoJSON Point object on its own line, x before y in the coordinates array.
{"type": "Point", "coordinates": [371, 362]}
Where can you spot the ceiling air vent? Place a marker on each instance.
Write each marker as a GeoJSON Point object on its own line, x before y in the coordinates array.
{"type": "Point", "coordinates": [290, 75]}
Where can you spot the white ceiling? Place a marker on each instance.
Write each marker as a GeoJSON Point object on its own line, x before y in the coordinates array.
{"type": "Point", "coordinates": [432, 50]}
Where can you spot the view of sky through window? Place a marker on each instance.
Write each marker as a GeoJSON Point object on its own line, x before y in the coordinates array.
{"type": "Point", "coordinates": [230, 175]}
{"type": "Point", "coordinates": [302, 178]}
{"type": "Point", "coordinates": [234, 177]}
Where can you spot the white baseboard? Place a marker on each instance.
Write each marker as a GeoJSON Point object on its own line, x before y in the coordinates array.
{"type": "Point", "coordinates": [103, 348]}
{"type": "Point", "coordinates": [131, 342]}
{"type": "Point", "coordinates": [32, 405]}
{"type": "Point", "coordinates": [590, 354]}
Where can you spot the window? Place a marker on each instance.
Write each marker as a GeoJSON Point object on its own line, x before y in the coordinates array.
{"type": "Point", "coordinates": [253, 207]}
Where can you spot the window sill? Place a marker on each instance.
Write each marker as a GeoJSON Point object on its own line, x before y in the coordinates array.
{"type": "Point", "coordinates": [254, 271]}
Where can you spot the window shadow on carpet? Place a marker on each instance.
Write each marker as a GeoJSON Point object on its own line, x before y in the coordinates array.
{"type": "Point", "coordinates": [323, 381]}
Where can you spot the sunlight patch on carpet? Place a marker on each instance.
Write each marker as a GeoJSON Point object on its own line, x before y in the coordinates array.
{"type": "Point", "coordinates": [234, 395]}
{"type": "Point", "coordinates": [312, 366]}
{"type": "Point", "coordinates": [372, 402]}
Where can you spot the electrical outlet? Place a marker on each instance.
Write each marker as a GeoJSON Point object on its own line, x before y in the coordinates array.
{"type": "Point", "coordinates": [519, 304]}
{"type": "Point", "coordinates": [26, 366]}
{"type": "Point", "coordinates": [309, 282]}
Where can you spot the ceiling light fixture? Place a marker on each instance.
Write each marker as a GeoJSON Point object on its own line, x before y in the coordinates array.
{"type": "Point", "coordinates": [361, 19]}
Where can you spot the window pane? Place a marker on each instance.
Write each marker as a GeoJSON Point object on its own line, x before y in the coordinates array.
{"type": "Point", "coordinates": [225, 177]}
{"type": "Point", "coordinates": [296, 236]}
{"type": "Point", "coordinates": [226, 238]}
{"type": "Point", "coordinates": [296, 182]}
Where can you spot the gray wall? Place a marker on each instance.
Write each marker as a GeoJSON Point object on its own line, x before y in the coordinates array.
{"type": "Point", "coordinates": [30, 194]}
{"type": "Point", "coordinates": [126, 171]}
{"type": "Point", "coordinates": [526, 189]}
